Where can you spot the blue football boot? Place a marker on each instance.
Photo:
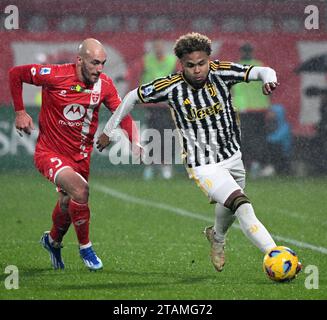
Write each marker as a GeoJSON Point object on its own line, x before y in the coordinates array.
{"type": "Point", "coordinates": [90, 259]}
{"type": "Point", "coordinates": [55, 251]}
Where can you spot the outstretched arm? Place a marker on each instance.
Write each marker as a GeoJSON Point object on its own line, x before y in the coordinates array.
{"type": "Point", "coordinates": [268, 77]}
{"type": "Point", "coordinates": [127, 105]}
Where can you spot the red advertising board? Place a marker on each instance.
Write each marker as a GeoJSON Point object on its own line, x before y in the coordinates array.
{"type": "Point", "coordinates": [284, 52]}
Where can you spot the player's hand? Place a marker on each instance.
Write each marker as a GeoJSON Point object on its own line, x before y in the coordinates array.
{"type": "Point", "coordinates": [269, 87]}
{"type": "Point", "coordinates": [24, 122]}
{"type": "Point", "coordinates": [102, 142]}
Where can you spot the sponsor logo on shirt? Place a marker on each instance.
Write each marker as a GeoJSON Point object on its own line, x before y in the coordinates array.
{"type": "Point", "coordinates": [95, 94]}
{"type": "Point", "coordinates": [78, 88]}
{"type": "Point", "coordinates": [44, 71]}
{"type": "Point", "coordinates": [74, 112]}
{"type": "Point", "coordinates": [71, 123]}
{"type": "Point", "coordinates": [199, 114]}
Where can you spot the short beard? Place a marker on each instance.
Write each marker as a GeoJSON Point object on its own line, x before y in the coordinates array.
{"type": "Point", "coordinates": [194, 84]}
{"type": "Point", "coordinates": [87, 81]}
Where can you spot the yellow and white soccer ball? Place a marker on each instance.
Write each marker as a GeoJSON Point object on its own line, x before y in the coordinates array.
{"type": "Point", "coordinates": [281, 264]}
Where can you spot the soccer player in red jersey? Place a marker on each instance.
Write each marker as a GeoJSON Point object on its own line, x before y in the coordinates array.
{"type": "Point", "coordinates": [71, 98]}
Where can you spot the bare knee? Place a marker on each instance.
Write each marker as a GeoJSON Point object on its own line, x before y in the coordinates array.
{"type": "Point", "coordinates": [81, 193]}
{"type": "Point", "coordinates": [75, 186]}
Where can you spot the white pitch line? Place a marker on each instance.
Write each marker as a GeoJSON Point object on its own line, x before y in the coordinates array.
{"type": "Point", "coordinates": [182, 212]}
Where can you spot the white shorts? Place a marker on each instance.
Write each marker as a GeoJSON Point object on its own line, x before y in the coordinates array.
{"type": "Point", "coordinates": [219, 180]}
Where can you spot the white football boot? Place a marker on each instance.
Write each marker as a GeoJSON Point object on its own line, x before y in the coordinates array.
{"type": "Point", "coordinates": [217, 252]}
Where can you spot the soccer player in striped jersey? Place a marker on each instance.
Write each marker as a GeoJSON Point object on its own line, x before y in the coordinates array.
{"type": "Point", "coordinates": [201, 104]}
{"type": "Point", "coordinates": [71, 97]}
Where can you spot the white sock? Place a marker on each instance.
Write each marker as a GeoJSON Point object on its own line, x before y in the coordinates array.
{"type": "Point", "coordinates": [84, 246]}
{"type": "Point", "coordinates": [253, 228]}
{"type": "Point", "coordinates": [224, 219]}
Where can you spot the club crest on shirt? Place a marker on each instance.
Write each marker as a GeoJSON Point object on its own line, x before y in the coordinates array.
{"type": "Point", "coordinates": [95, 97]}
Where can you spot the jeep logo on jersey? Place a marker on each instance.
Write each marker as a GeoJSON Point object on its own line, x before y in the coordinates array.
{"type": "Point", "coordinates": [199, 114]}
{"type": "Point", "coordinates": [74, 111]}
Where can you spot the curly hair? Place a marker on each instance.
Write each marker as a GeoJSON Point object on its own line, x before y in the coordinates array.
{"type": "Point", "coordinates": [191, 42]}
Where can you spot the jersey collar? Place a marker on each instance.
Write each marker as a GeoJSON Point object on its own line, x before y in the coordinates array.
{"type": "Point", "coordinates": [208, 80]}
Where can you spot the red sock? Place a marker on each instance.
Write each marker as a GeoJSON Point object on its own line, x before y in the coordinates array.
{"type": "Point", "coordinates": [80, 215]}
{"type": "Point", "coordinates": [61, 222]}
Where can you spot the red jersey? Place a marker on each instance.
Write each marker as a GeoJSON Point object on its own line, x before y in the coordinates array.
{"type": "Point", "coordinates": [69, 113]}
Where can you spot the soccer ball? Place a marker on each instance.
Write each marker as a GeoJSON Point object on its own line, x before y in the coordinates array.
{"type": "Point", "coordinates": [281, 264]}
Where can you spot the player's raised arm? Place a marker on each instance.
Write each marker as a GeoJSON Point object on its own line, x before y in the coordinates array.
{"type": "Point", "coordinates": [268, 77]}
{"type": "Point", "coordinates": [127, 105]}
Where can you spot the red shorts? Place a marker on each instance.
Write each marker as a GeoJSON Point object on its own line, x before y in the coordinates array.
{"type": "Point", "coordinates": [51, 163]}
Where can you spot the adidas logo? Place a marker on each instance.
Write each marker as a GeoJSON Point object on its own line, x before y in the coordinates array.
{"type": "Point", "coordinates": [186, 101]}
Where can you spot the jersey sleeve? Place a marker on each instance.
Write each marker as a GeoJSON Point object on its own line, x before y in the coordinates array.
{"type": "Point", "coordinates": [157, 90]}
{"type": "Point", "coordinates": [36, 74]}
{"type": "Point", "coordinates": [112, 101]}
{"type": "Point", "coordinates": [231, 72]}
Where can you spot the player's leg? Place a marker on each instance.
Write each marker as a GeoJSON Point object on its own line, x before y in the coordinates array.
{"type": "Point", "coordinates": [224, 216]}
{"type": "Point", "coordinates": [211, 178]}
{"type": "Point", "coordinates": [60, 218]}
{"type": "Point", "coordinates": [224, 219]}
{"type": "Point", "coordinates": [253, 229]}
{"type": "Point", "coordinates": [78, 190]}
{"type": "Point", "coordinates": [221, 187]}
{"type": "Point", "coordinates": [240, 205]}
{"type": "Point", "coordinates": [216, 235]}
{"type": "Point", "coordinates": [49, 163]}
{"type": "Point", "coordinates": [52, 241]}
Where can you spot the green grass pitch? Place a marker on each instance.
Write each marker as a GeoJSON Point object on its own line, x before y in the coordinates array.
{"type": "Point", "coordinates": [149, 237]}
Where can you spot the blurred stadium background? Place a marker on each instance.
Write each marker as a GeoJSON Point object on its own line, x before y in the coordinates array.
{"type": "Point", "coordinates": [149, 233]}
{"type": "Point", "coordinates": [49, 32]}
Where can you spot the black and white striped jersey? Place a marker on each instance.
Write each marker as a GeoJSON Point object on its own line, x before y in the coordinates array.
{"type": "Point", "coordinates": [209, 126]}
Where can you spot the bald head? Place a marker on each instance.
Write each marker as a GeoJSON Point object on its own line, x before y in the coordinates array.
{"type": "Point", "coordinates": [90, 60]}
{"type": "Point", "coordinates": [89, 47]}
